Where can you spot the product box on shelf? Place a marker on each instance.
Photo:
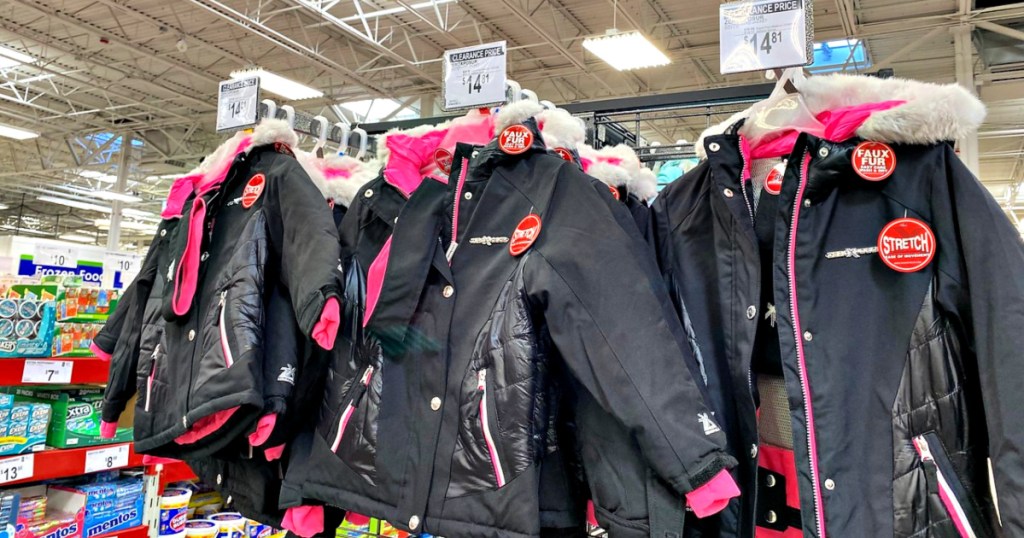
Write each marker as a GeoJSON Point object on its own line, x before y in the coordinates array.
{"type": "Point", "coordinates": [9, 503]}
{"type": "Point", "coordinates": [26, 326]}
{"type": "Point", "coordinates": [110, 506]}
{"type": "Point", "coordinates": [74, 339]}
{"type": "Point", "coordinates": [85, 304]}
{"type": "Point", "coordinates": [23, 425]}
{"type": "Point", "coordinates": [62, 515]}
{"type": "Point", "coordinates": [76, 415]}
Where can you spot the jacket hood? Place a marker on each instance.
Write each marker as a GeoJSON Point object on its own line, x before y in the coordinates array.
{"type": "Point", "coordinates": [928, 112]}
{"type": "Point", "coordinates": [559, 128]}
{"type": "Point", "coordinates": [338, 177]}
{"type": "Point", "coordinates": [619, 166]}
{"type": "Point", "coordinates": [214, 168]}
{"type": "Point", "coordinates": [514, 113]}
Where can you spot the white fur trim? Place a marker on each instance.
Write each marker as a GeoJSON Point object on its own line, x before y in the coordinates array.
{"type": "Point", "coordinates": [932, 112]}
{"type": "Point", "coordinates": [341, 189]}
{"type": "Point", "coordinates": [639, 180]}
{"type": "Point", "coordinates": [514, 113]}
{"type": "Point", "coordinates": [561, 129]}
{"type": "Point", "coordinates": [644, 184]}
{"type": "Point", "coordinates": [271, 131]}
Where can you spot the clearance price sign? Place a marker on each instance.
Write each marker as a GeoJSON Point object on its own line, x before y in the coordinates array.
{"type": "Point", "coordinates": [760, 34]}
{"type": "Point", "coordinates": [475, 76]}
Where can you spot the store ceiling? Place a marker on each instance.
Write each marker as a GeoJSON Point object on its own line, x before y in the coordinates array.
{"type": "Point", "coordinates": [151, 68]}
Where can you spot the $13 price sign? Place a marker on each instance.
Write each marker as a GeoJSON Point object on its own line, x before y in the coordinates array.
{"type": "Point", "coordinates": [16, 468]}
{"type": "Point", "coordinates": [763, 34]}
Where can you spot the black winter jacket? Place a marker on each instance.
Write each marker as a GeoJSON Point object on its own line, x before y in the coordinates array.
{"type": "Point", "coordinates": [901, 384]}
{"type": "Point", "coordinates": [444, 432]}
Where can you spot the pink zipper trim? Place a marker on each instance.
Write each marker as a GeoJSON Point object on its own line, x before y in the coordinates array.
{"type": "Point", "coordinates": [229, 359]}
{"type": "Point", "coordinates": [152, 375]}
{"type": "Point", "coordinates": [812, 444]}
{"type": "Point", "coordinates": [492, 448]}
{"type": "Point", "coordinates": [343, 423]}
{"type": "Point", "coordinates": [949, 500]}
{"type": "Point", "coordinates": [458, 197]}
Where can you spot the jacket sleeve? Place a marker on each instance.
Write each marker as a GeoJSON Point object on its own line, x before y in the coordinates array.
{"type": "Point", "coordinates": [304, 234]}
{"type": "Point", "coordinates": [605, 310]}
{"type": "Point", "coordinates": [121, 381]}
{"type": "Point", "coordinates": [989, 277]}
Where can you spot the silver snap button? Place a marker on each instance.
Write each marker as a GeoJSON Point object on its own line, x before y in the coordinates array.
{"type": "Point", "coordinates": [770, 481]}
{"type": "Point", "coordinates": [192, 335]}
{"type": "Point", "coordinates": [204, 257]}
{"type": "Point", "coordinates": [220, 479]}
{"type": "Point", "coordinates": [396, 220]}
{"type": "Point", "coordinates": [414, 522]}
{"type": "Point", "coordinates": [469, 196]}
{"type": "Point", "coordinates": [807, 203]}
{"type": "Point", "coordinates": [435, 403]}
{"type": "Point", "coordinates": [751, 311]}
{"type": "Point", "coordinates": [808, 336]}
{"type": "Point", "coordinates": [830, 484]}
{"type": "Point", "coordinates": [475, 153]}
{"type": "Point", "coordinates": [714, 146]}
{"type": "Point", "coordinates": [163, 233]}
{"type": "Point", "coordinates": [771, 517]}
{"type": "Point", "coordinates": [368, 193]}
{"type": "Point", "coordinates": [728, 193]}
{"type": "Point", "coordinates": [753, 451]}
{"type": "Point", "coordinates": [448, 291]}
{"type": "Point", "coordinates": [823, 152]}
{"type": "Point", "coordinates": [228, 502]}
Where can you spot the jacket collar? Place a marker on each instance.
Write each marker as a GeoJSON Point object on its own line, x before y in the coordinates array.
{"type": "Point", "coordinates": [483, 160]}
{"type": "Point", "coordinates": [928, 113]}
{"type": "Point", "coordinates": [339, 177]}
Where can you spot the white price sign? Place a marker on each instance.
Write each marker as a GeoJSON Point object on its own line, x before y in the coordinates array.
{"type": "Point", "coordinates": [475, 76]}
{"type": "Point", "coordinates": [762, 34]}
{"type": "Point", "coordinates": [104, 459]}
{"type": "Point", "coordinates": [55, 255]}
{"type": "Point", "coordinates": [238, 103]}
{"type": "Point", "coordinates": [47, 372]}
{"type": "Point", "coordinates": [16, 468]}
{"type": "Point", "coordinates": [127, 264]}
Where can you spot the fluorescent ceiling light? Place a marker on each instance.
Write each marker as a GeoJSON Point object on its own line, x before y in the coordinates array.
{"type": "Point", "coordinates": [23, 230]}
{"type": "Point", "coordinates": [4, 206]}
{"type": "Point", "coordinates": [276, 84]}
{"type": "Point", "coordinates": [77, 238]}
{"type": "Point", "coordinates": [98, 176]}
{"type": "Point", "coordinates": [116, 196]}
{"type": "Point", "coordinates": [625, 51]}
{"type": "Point", "coordinates": [13, 58]}
{"type": "Point", "coordinates": [377, 109]}
{"type": "Point", "coordinates": [127, 225]}
{"type": "Point", "coordinates": [139, 214]}
{"type": "Point", "coordinates": [394, 10]}
{"type": "Point", "coordinates": [165, 176]}
{"type": "Point", "coordinates": [74, 203]}
{"type": "Point", "coordinates": [16, 133]}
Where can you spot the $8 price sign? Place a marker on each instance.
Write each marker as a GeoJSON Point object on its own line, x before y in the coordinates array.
{"type": "Point", "coordinates": [103, 459]}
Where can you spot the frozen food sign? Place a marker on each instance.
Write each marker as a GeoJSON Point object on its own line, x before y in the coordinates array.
{"type": "Point", "coordinates": [760, 34]}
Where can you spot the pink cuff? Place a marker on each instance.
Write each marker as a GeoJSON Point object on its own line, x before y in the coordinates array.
{"type": "Point", "coordinates": [274, 453]}
{"type": "Point", "coordinates": [304, 521]}
{"type": "Point", "coordinates": [357, 519]}
{"type": "Point", "coordinates": [264, 428]}
{"type": "Point", "coordinates": [714, 496]}
{"type": "Point", "coordinates": [99, 352]}
{"type": "Point", "coordinates": [108, 429]}
{"type": "Point", "coordinates": [326, 330]}
{"type": "Point", "coordinates": [157, 460]}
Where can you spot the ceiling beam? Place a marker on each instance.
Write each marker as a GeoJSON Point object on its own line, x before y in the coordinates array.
{"type": "Point", "coordinates": [1000, 29]}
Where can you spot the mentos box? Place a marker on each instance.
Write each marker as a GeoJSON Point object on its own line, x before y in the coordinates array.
{"type": "Point", "coordinates": [102, 522]}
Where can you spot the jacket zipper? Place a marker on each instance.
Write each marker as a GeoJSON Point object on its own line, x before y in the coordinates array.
{"type": "Point", "coordinates": [812, 447]}
{"type": "Point", "coordinates": [949, 501]}
{"type": "Point", "coordinates": [455, 210]}
{"type": "Point", "coordinates": [349, 409]}
{"type": "Point", "coordinates": [492, 448]}
{"type": "Point", "coordinates": [152, 375]}
{"type": "Point", "coordinates": [229, 359]}
{"type": "Point", "coordinates": [743, 184]}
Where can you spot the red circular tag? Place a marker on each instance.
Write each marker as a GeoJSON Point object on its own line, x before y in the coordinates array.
{"type": "Point", "coordinates": [526, 233]}
{"type": "Point", "coordinates": [443, 159]}
{"type": "Point", "coordinates": [773, 183]}
{"type": "Point", "coordinates": [906, 245]}
{"type": "Point", "coordinates": [874, 161]}
{"type": "Point", "coordinates": [564, 154]}
{"type": "Point", "coordinates": [515, 139]}
{"type": "Point", "coordinates": [253, 190]}
{"type": "Point", "coordinates": [614, 191]}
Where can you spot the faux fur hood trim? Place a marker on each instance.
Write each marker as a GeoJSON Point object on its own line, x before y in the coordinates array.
{"type": "Point", "coordinates": [338, 177]}
{"type": "Point", "coordinates": [560, 129]}
{"type": "Point", "coordinates": [514, 113]}
{"type": "Point", "coordinates": [384, 153]}
{"type": "Point", "coordinates": [640, 180]}
{"type": "Point", "coordinates": [931, 113]}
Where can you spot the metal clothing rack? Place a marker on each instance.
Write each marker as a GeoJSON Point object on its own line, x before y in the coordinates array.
{"type": "Point", "coordinates": [316, 126]}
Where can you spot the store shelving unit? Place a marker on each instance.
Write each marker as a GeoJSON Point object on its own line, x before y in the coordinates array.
{"type": "Point", "coordinates": [64, 463]}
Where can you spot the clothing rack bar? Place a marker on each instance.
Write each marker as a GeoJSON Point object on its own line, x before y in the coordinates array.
{"type": "Point", "coordinates": [303, 124]}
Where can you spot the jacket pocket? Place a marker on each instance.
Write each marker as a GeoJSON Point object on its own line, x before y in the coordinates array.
{"type": "Point", "coordinates": [943, 481]}
{"type": "Point", "coordinates": [152, 377]}
{"type": "Point", "coordinates": [488, 422]}
{"type": "Point", "coordinates": [222, 330]}
{"type": "Point", "coordinates": [358, 390]}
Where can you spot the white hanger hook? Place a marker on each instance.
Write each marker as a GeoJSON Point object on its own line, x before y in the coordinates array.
{"type": "Point", "coordinates": [289, 115]}
{"type": "Point", "coordinates": [363, 140]}
{"type": "Point", "coordinates": [323, 126]}
{"type": "Point", "coordinates": [271, 108]}
{"type": "Point", "coordinates": [346, 132]}
{"type": "Point", "coordinates": [514, 91]}
{"type": "Point", "coordinates": [531, 95]}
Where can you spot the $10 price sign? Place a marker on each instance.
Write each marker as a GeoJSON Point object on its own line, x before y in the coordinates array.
{"type": "Point", "coordinates": [475, 76]}
{"type": "Point", "coordinates": [763, 34]}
